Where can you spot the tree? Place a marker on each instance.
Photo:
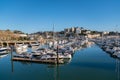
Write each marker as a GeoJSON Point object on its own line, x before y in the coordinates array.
{"type": "Point", "coordinates": [18, 32]}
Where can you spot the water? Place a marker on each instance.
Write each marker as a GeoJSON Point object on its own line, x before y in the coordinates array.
{"type": "Point", "coordinates": [87, 64]}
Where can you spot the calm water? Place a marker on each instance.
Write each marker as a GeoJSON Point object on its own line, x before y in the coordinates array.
{"type": "Point", "coordinates": [87, 64]}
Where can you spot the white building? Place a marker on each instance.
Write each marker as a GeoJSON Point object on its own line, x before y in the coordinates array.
{"type": "Point", "coordinates": [93, 35]}
{"type": "Point", "coordinates": [105, 32]}
{"type": "Point", "coordinates": [22, 35]}
{"type": "Point", "coordinates": [78, 30]}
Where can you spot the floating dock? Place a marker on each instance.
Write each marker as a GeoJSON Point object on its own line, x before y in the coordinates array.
{"type": "Point", "coordinates": [37, 60]}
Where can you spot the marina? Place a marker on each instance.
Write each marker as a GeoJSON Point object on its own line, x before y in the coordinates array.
{"type": "Point", "coordinates": [89, 59]}
{"type": "Point", "coordinates": [76, 57]}
{"type": "Point", "coordinates": [54, 54]}
{"type": "Point", "coordinates": [110, 45]}
{"type": "Point", "coordinates": [59, 39]}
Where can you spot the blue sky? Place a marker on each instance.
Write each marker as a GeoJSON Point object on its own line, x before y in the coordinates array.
{"type": "Point", "coordinates": [40, 15]}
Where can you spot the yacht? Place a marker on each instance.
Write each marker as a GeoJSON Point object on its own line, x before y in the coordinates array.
{"type": "Point", "coordinates": [21, 48]}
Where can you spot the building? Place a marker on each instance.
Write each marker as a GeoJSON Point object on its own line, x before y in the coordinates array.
{"type": "Point", "coordinates": [88, 32]}
{"type": "Point", "coordinates": [22, 35]}
{"type": "Point", "coordinates": [93, 35]}
{"type": "Point", "coordinates": [72, 29]}
{"type": "Point", "coordinates": [77, 30]}
{"type": "Point", "coordinates": [67, 30]}
{"type": "Point", "coordinates": [105, 32]}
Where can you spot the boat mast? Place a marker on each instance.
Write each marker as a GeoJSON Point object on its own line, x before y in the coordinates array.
{"type": "Point", "coordinates": [102, 38]}
{"type": "Point", "coordinates": [117, 36]}
{"type": "Point", "coordinates": [54, 46]}
{"type": "Point", "coordinates": [53, 35]}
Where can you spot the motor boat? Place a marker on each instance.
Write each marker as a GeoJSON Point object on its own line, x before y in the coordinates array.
{"type": "Point", "coordinates": [3, 50]}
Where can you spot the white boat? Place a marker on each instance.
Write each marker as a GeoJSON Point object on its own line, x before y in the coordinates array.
{"type": "Point", "coordinates": [117, 53]}
{"type": "Point", "coordinates": [23, 55]}
{"type": "Point", "coordinates": [3, 55]}
{"type": "Point", "coordinates": [35, 45]}
{"type": "Point", "coordinates": [54, 56]}
{"type": "Point", "coordinates": [3, 50]}
{"type": "Point", "coordinates": [21, 48]}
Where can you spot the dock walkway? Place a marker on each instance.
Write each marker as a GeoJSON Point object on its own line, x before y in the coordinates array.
{"type": "Point", "coordinates": [36, 60]}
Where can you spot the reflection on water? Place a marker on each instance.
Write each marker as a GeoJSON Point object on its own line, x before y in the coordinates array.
{"type": "Point", "coordinates": [3, 55]}
{"type": "Point", "coordinates": [55, 68]}
{"type": "Point", "coordinates": [118, 69]}
{"type": "Point", "coordinates": [12, 66]}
